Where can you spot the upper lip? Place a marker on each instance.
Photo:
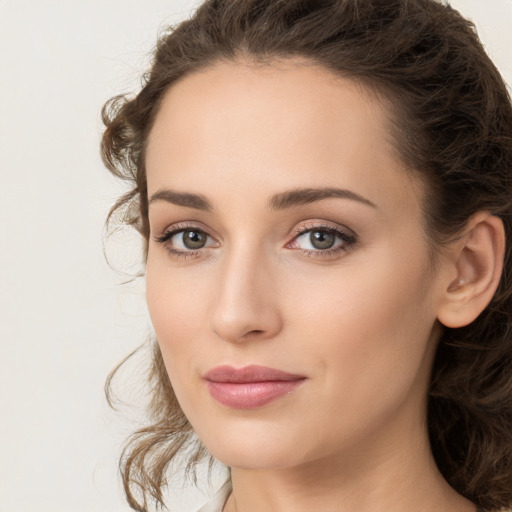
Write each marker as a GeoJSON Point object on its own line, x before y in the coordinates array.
{"type": "Point", "coordinates": [251, 373]}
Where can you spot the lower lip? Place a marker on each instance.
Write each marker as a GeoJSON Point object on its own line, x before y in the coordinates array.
{"type": "Point", "coordinates": [249, 395]}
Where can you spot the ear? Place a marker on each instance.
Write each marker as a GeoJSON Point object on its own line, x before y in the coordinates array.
{"type": "Point", "coordinates": [476, 261]}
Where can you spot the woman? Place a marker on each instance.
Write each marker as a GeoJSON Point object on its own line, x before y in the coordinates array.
{"type": "Point", "coordinates": [324, 192]}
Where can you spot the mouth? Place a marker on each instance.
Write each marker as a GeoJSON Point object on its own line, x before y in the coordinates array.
{"type": "Point", "coordinates": [251, 386]}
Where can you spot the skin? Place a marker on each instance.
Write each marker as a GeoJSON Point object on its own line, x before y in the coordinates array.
{"type": "Point", "coordinates": [360, 324]}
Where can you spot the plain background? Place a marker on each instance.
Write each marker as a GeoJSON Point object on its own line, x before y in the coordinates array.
{"type": "Point", "coordinates": [66, 319]}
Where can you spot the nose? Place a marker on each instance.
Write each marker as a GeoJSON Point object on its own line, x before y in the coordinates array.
{"type": "Point", "coordinates": [246, 306]}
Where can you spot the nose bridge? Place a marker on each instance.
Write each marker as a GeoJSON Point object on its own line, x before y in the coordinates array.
{"type": "Point", "coordinates": [247, 301]}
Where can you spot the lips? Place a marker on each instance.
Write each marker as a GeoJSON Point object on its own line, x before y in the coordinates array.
{"type": "Point", "coordinates": [251, 386]}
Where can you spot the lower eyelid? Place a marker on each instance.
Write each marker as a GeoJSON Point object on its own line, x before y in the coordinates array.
{"type": "Point", "coordinates": [183, 253]}
{"type": "Point", "coordinates": [346, 239]}
{"type": "Point", "coordinates": [325, 255]}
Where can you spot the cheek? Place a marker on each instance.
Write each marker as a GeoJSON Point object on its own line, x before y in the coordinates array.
{"type": "Point", "coordinates": [359, 330]}
{"type": "Point", "coordinates": [368, 331]}
{"type": "Point", "coordinates": [386, 298]}
{"type": "Point", "coordinates": [176, 308]}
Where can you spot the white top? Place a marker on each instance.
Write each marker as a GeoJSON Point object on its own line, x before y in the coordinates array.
{"type": "Point", "coordinates": [216, 504]}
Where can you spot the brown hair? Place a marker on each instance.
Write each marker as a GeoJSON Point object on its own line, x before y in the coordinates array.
{"type": "Point", "coordinates": [452, 119]}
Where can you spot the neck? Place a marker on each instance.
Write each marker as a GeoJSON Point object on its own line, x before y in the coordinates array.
{"type": "Point", "coordinates": [385, 474]}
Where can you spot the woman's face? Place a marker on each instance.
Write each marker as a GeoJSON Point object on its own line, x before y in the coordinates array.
{"type": "Point", "coordinates": [286, 234]}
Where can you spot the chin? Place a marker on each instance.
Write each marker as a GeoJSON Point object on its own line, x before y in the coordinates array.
{"type": "Point", "coordinates": [254, 458]}
{"type": "Point", "coordinates": [252, 452]}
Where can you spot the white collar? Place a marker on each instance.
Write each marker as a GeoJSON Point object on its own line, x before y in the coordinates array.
{"type": "Point", "coordinates": [216, 504]}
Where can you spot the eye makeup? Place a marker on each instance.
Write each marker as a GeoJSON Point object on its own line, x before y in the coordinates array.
{"type": "Point", "coordinates": [325, 241]}
{"type": "Point", "coordinates": [311, 239]}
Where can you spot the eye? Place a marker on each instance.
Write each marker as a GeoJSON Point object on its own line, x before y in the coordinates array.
{"type": "Point", "coordinates": [318, 239]}
{"type": "Point", "coordinates": [188, 239]}
{"type": "Point", "coordinates": [185, 241]}
{"type": "Point", "coordinates": [323, 241]}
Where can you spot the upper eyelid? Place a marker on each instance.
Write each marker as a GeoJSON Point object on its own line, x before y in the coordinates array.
{"type": "Point", "coordinates": [297, 229]}
{"type": "Point", "coordinates": [338, 228]}
{"type": "Point", "coordinates": [348, 236]}
{"type": "Point", "coordinates": [183, 226]}
{"type": "Point", "coordinates": [349, 241]}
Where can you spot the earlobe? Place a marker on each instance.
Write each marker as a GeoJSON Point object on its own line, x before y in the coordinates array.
{"type": "Point", "coordinates": [477, 263]}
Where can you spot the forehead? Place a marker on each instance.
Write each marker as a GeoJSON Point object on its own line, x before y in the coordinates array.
{"type": "Point", "coordinates": [279, 125]}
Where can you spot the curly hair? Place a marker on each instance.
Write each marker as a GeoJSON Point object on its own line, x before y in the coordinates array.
{"type": "Point", "coordinates": [452, 125]}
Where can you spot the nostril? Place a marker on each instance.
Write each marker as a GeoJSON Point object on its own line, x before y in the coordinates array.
{"type": "Point", "coordinates": [249, 335]}
{"type": "Point", "coordinates": [252, 334]}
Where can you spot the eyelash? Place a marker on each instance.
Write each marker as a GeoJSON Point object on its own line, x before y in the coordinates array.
{"type": "Point", "coordinates": [348, 240]}
{"type": "Point", "coordinates": [174, 230]}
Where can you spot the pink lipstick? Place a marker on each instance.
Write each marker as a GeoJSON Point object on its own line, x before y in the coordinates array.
{"type": "Point", "coordinates": [251, 386]}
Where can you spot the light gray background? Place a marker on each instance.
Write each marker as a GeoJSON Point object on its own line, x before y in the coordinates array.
{"type": "Point", "coordinates": [65, 318]}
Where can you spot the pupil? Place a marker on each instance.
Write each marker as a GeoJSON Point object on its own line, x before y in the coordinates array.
{"type": "Point", "coordinates": [194, 239]}
{"type": "Point", "coordinates": [322, 239]}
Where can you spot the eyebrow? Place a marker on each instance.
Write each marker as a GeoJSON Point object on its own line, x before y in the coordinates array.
{"type": "Point", "coordinates": [303, 196]}
{"type": "Point", "coordinates": [195, 201]}
{"type": "Point", "coordinates": [281, 201]}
